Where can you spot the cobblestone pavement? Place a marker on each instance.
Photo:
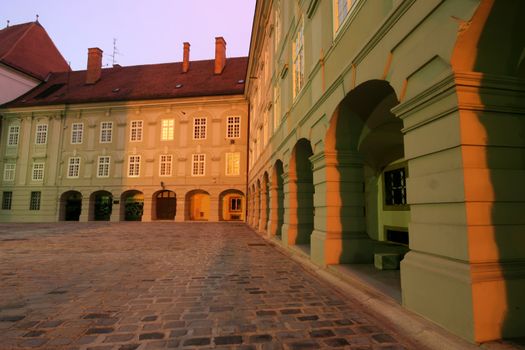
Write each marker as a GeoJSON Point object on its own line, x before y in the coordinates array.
{"type": "Point", "coordinates": [126, 286]}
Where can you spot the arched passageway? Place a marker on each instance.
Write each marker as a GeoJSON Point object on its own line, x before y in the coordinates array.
{"type": "Point", "coordinates": [100, 206]}
{"type": "Point", "coordinates": [70, 206]}
{"type": "Point", "coordinates": [198, 205]}
{"type": "Point", "coordinates": [300, 196]}
{"type": "Point", "coordinates": [164, 205]}
{"type": "Point", "coordinates": [131, 205]}
{"type": "Point", "coordinates": [265, 203]}
{"type": "Point", "coordinates": [364, 145]}
{"type": "Point", "coordinates": [276, 200]}
{"type": "Point", "coordinates": [231, 205]}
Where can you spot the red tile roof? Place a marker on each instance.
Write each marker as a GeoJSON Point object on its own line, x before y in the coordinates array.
{"type": "Point", "coordinates": [28, 48]}
{"type": "Point", "coordinates": [153, 81]}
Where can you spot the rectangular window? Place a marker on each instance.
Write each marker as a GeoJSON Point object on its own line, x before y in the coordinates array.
{"type": "Point", "coordinates": [41, 134]}
{"type": "Point", "coordinates": [341, 10]}
{"type": "Point", "coordinates": [7, 199]}
{"type": "Point", "coordinates": [199, 128]}
{"type": "Point", "coordinates": [73, 168]}
{"type": "Point", "coordinates": [233, 163]}
{"type": "Point", "coordinates": [34, 203]}
{"type": "Point", "coordinates": [134, 166]}
{"type": "Point", "coordinates": [77, 133]}
{"type": "Point", "coordinates": [12, 135]}
{"type": "Point", "coordinates": [395, 187]}
{"type": "Point", "coordinates": [9, 171]}
{"type": "Point", "coordinates": [235, 204]}
{"type": "Point", "coordinates": [198, 164]}
{"type": "Point", "coordinates": [233, 129]}
{"type": "Point", "coordinates": [165, 165]}
{"type": "Point", "coordinates": [38, 172]}
{"type": "Point", "coordinates": [298, 61]}
{"type": "Point", "coordinates": [103, 166]}
{"type": "Point", "coordinates": [276, 108]}
{"type": "Point", "coordinates": [106, 132]}
{"type": "Point", "coordinates": [135, 133]}
{"type": "Point", "coordinates": [167, 129]}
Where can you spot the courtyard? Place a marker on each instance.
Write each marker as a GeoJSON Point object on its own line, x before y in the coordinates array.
{"type": "Point", "coordinates": [125, 286]}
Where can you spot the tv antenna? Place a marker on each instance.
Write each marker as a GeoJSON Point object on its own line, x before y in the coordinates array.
{"type": "Point", "coordinates": [115, 53]}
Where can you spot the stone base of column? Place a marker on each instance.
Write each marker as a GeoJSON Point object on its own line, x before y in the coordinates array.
{"type": "Point", "coordinates": [479, 302]}
{"type": "Point", "coordinates": [341, 248]}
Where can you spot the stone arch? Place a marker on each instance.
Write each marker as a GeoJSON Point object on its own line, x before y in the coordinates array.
{"type": "Point", "coordinates": [300, 194]}
{"type": "Point", "coordinates": [364, 155]}
{"type": "Point", "coordinates": [197, 205]}
{"type": "Point", "coordinates": [131, 205]}
{"type": "Point", "coordinates": [100, 206]}
{"type": "Point", "coordinates": [70, 206]}
{"type": "Point", "coordinates": [231, 205]}
{"type": "Point", "coordinates": [277, 199]}
{"type": "Point", "coordinates": [164, 205]}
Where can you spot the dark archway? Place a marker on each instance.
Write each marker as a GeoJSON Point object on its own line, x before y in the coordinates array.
{"type": "Point", "coordinates": [100, 206]}
{"type": "Point", "coordinates": [231, 205]}
{"type": "Point", "coordinates": [277, 200]}
{"type": "Point", "coordinates": [164, 205]}
{"type": "Point", "coordinates": [131, 205]}
{"type": "Point", "coordinates": [70, 206]}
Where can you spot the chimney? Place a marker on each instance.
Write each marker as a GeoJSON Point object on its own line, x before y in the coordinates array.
{"type": "Point", "coordinates": [186, 58]}
{"type": "Point", "coordinates": [220, 54]}
{"type": "Point", "coordinates": [94, 65]}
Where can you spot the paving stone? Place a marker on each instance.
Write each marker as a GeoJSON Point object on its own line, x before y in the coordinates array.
{"type": "Point", "coordinates": [119, 338]}
{"type": "Point", "coordinates": [178, 333]}
{"type": "Point", "coordinates": [261, 338]}
{"type": "Point", "coordinates": [322, 333]}
{"type": "Point", "coordinates": [303, 345]}
{"type": "Point", "coordinates": [32, 334]}
{"type": "Point", "coordinates": [197, 341]}
{"type": "Point", "coordinates": [11, 318]}
{"type": "Point", "coordinates": [153, 335]}
{"type": "Point", "coordinates": [99, 331]}
{"type": "Point", "coordinates": [149, 318]}
{"type": "Point", "coordinates": [227, 340]}
{"type": "Point", "coordinates": [33, 343]}
{"type": "Point", "coordinates": [129, 347]}
{"type": "Point", "coordinates": [336, 342]}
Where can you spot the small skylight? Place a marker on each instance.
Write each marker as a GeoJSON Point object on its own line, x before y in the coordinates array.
{"type": "Point", "coordinates": [178, 86]}
{"type": "Point", "coordinates": [47, 92]}
{"type": "Point", "coordinates": [241, 81]}
{"type": "Point", "coordinates": [116, 90]}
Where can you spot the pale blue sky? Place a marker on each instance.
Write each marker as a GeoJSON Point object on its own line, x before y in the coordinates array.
{"type": "Point", "coordinates": [146, 31]}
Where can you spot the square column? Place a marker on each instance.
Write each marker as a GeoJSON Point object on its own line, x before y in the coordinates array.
{"type": "Point", "coordinates": [339, 234]}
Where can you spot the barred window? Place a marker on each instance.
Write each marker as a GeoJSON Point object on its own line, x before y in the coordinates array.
{"type": "Point", "coordinates": [34, 202]}
{"type": "Point", "coordinates": [9, 171]}
{"type": "Point", "coordinates": [103, 166]}
{"type": "Point", "coordinates": [165, 165]}
{"type": "Point", "coordinates": [233, 163]}
{"type": "Point", "coordinates": [134, 166]}
{"type": "Point", "coordinates": [38, 172]}
{"type": "Point", "coordinates": [167, 129]}
{"type": "Point", "coordinates": [233, 129]}
{"type": "Point", "coordinates": [199, 128]}
{"type": "Point", "coordinates": [106, 132]}
{"type": "Point", "coordinates": [73, 168]}
{"type": "Point", "coordinates": [41, 134]}
{"type": "Point", "coordinates": [7, 199]}
{"type": "Point", "coordinates": [77, 133]}
{"type": "Point", "coordinates": [13, 135]}
{"type": "Point", "coordinates": [395, 187]}
{"type": "Point", "coordinates": [135, 133]}
{"type": "Point", "coordinates": [198, 164]}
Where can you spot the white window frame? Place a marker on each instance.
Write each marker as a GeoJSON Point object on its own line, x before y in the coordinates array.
{"type": "Point", "coordinates": [135, 130]}
{"type": "Point", "coordinates": [165, 165]}
{"type": "Point", "coordinates": [233, 169]}
{"type": "Point", "coordinates": [167, 129]}
{"type": "Point", "coordinates": [298, 60]}
{"type": "Point", "coordinates": [276, 108]}
{"type": "Point", "coordinates": [337, 20]}
{"type": "Point", "coordinates": [38, 171]}
{"type": "Point", "coordinates": [13, 135]}
{"type": "Point", "coordinates": [9, 172]}
{"type": "Point", "coordinates": [73, 168]}
{"type": "Point", "coordinates": [199, 128]}
{"type": "Point", "coordinates": [106, 132]}
{"type": "Point", "coordinates": [103, 166]}
{"type": "Point", "coordinates": [77, 133]}
{"type": "Point", "coordinates": [198, 164]}
{"type": "Point", "coordinates": [134, 166]}
{"type": "Point", "coordinates": [233, 127]}
{"type": "Point", "coordinates": [41, 134]}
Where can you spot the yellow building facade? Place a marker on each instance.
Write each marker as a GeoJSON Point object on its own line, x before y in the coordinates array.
{"type": "Point", "coordinates": [154, 142]}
